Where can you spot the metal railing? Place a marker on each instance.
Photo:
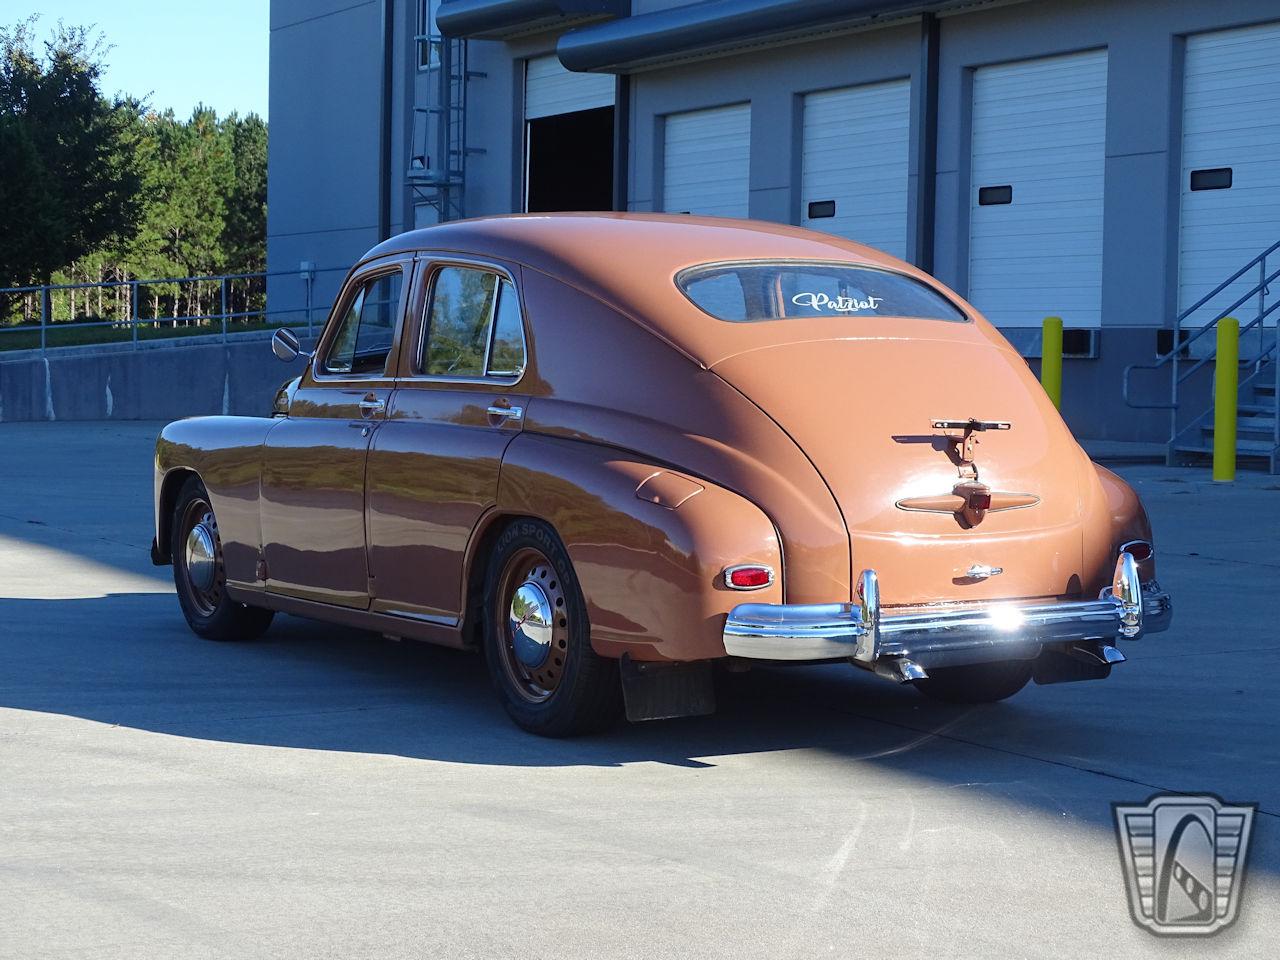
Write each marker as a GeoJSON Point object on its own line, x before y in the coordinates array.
{"type": "Point", "coordinates": [221, 318]}
{"type": "Point", "coordinates": [1183, 365]}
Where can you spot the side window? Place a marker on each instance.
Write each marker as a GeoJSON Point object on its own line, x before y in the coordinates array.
{"type": "Point", "coordinates": [363, 340]}
{"type": "Point", "coordinates": [506, 358]}
{"type": "Point", "coordinates": [473, 326]}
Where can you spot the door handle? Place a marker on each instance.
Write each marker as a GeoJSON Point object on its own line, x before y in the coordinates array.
{"type": "Point", "coordinates": [507, 413]}
{"type": "Point", "coordinates": [371, 407]}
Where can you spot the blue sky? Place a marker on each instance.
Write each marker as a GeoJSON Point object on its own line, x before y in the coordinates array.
{"type": "Point", "coordinates": [181, 52]}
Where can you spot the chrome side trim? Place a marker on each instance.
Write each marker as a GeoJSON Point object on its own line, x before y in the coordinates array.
{"type": "Point", "coordinates": [943, 635]}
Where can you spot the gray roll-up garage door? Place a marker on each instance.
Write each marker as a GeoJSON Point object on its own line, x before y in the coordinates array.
{"type": "Point", "coordinates": [550, 89]}
{"type": "Point", "coordinates": [854, 164]}
{"type": "Point", "coordinates": [1036, 186]}
{"type": "Point", "coordinates": [1230, 177]}
{"type": "Point", "coordinates": [706, 162]}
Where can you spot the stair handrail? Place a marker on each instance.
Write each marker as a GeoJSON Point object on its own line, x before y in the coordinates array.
{"type": "Point", "coordinates": [1180, 345]}
{"type": "Point", "coordinates": [1208, 358]}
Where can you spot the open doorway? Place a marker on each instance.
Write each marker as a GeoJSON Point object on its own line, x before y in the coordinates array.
{"type": "Point", "coordinates": [569, 161]}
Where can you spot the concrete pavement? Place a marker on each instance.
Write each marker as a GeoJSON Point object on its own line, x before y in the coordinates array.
{"type": "Point", "coordinates": [325, 793]}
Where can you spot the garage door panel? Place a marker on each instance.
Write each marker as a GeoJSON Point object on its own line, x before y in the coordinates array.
{"type": "Point", "coordinates": [854, 150]}
{"type": "Point", "coordinates": [706, 161]}
{"type": "Point", "coordinates": [1040, 127]}
{"type": "Point", "coordinates": [550, 89]}
{"type": "Point", "coordinates": [1231, 118]}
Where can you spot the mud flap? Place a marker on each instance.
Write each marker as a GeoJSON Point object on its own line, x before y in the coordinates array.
{"type": "Point", "coordinates": [661, 691]}
{"type": "Point", "coordinates": [1059, 666]}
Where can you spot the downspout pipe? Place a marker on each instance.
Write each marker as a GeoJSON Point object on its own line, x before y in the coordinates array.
{"type": "Point", "coordinates": [926, 94]}
{"type": "Point", "coordinates": [621, 142]}
{"type": "Point", "coordinates": [384, 122]}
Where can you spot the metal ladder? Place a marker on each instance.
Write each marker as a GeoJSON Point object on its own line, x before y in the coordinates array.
{"type": "Point", "coordinates": [437, 169]}
{"type": "Point", "coordinates": [1258, 417]}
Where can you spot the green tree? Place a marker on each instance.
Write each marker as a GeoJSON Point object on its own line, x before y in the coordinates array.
{"type": "Point", "coordinates": [246, 226]}
{"type": "Point", "coordinates": [67, 153]}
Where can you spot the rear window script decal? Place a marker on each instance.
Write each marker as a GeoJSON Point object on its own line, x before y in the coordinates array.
{"type": "Point", "coordinates": [839, 304]}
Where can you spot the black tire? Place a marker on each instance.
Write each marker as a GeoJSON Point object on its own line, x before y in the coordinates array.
{"type": "Point", "coordinates": [210, 612]}
{"type": "Point", "coordinates": [572, 690]}
{"type": "Point", "coordinates": [976, 683]}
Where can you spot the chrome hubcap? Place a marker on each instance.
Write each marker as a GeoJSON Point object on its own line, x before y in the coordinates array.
{"type": "Point", "coordinates": [201, 558]}
{"type": "Point", "coordinates": [534, 620]}
{"type": "Point", "coordinates": [530, 625]}
{"type": "Point", "coordinates": [202, 562]}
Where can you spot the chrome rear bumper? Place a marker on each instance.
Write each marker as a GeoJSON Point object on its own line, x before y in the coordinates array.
{"type": "Point", "coordinates": [905, 644]}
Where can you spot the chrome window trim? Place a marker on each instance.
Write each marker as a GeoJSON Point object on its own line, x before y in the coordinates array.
{"type": "Point", "coordinates": [432, 266]}
{"type": "Point", "coordinates": [358, 279]}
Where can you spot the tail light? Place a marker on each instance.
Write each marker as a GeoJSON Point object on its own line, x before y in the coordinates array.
{"type": "Point", "coordinates": [980, 500]}
{"type": "Point", "coordinates": [1140, 550]}
{"type": "Point", "coordinates": [748, 576]}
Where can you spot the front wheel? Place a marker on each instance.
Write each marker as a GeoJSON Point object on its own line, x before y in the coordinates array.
{"type": "Point", "coordinates": [537, 639]}
{"type": "Point", "coordinates": [977, 682]}
{"type": "Point", "coordinates": [199, 576]}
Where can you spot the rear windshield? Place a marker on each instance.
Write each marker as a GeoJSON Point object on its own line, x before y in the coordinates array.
{"type": "Point", "coordinates": [755, 291]}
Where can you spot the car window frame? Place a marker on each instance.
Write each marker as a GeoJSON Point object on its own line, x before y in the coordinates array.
{"type": "Point", "coordinates": [359, 276]}
{"type": "Point", "coordinates": [412, 359]}
{"type": "Point", "coordinates": [800, 262]}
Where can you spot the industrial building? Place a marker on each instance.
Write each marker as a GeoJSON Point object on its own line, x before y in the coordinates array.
{"type": "Point", "coordinates": [1111, 163]}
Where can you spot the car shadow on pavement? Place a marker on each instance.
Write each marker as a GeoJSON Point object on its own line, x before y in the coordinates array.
{"type": "Point", "coordinates": [317, 687]}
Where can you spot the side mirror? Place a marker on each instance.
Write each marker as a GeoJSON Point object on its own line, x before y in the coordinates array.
{"type": "Point", "coordinates": [285, 344]}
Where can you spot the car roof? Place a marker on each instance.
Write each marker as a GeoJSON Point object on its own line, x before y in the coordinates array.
{"type": "Point", "coordinates": [547, 241]}
{"type": "Point", "coordinates": [629, 260]}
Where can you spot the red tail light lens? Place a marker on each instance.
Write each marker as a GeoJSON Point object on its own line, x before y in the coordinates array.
{"type": "Point", "coordinates": [1140, 550]}
{"type": "Point", "coordinates": [748, 577]}
{"type": "Point", "coordinates": [980, 501]}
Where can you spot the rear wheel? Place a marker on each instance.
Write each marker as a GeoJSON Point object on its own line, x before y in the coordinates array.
{"type": "Point", "coordinates": [199, 575]}
{"type": "Point", "coordinates": [977, 682]}
{"type": "Point", "coordinates": [538, 641]}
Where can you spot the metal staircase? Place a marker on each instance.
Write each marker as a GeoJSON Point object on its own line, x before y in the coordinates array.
{"type": "Point", "coordinates": [437, 169]}
{"type": "Point", "coordinates": [1195, 347]}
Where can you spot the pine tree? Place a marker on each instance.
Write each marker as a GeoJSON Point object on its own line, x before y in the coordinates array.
{"type": "Point", "coordinates": [67, 153]}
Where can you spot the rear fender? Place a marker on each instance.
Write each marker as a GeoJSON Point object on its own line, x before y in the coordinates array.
{"type": "Point", "coordinates": [1114, 516]}
{"type": "Point", "coordinates": [652, 572]}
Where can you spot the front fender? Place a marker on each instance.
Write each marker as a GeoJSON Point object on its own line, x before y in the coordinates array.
{"type": "Point", "coordinates": [226, 454]}
{"type": "Point", "coordinates": [651, 569]}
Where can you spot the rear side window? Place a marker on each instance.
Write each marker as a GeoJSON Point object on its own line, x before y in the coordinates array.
{"type": "Point", "coordinates": [756, 291]}
{"type": "Point", "coordinates": [474, 327]}
{"type": "Point", "coordinates": [363, 339]}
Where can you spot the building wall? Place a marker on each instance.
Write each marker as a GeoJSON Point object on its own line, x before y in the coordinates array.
{"type": "Point", "coordinates": [322, 171]}
{"type": "Point", "coordinates": [324, 142]}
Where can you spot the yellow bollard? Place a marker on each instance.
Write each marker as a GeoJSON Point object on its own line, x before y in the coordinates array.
{"type": "Point", "coordinates": [1051, 359]}
{"type": "Point", "coordinates": [1226, 377]}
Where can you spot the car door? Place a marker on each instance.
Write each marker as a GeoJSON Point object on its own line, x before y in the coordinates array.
{"type": "Point", "coordinates": [433, 465]}
{"type": "Point", "coordinates": [312, 497]}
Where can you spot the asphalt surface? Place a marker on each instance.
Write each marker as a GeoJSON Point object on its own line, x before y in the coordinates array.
{"type": "Point", "coordinates": [327, 793]}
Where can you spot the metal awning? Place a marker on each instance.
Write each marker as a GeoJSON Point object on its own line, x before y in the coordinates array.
{"type": "Point", "coordinates": [503, 19]}
{"type": "Point", "coordinates": [721, 26]}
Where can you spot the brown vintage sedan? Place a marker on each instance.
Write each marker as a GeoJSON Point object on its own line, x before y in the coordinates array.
{"type": "Point", "coordinates": [615, 450]}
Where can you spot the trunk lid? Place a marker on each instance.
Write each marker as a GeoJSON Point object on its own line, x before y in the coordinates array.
{"type": "Point", "coordinates": [862, 409]}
